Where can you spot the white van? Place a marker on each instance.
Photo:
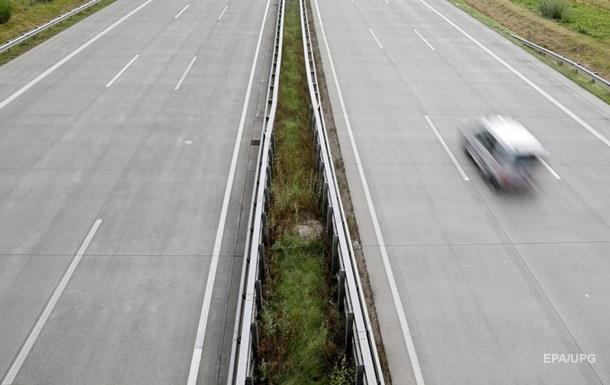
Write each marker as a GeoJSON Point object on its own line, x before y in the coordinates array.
{"type": "Point", "coordinates": [505, 151]}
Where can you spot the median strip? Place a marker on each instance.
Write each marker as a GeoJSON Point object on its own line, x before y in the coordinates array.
{"type": "Point", "coordinates": [300, 326]}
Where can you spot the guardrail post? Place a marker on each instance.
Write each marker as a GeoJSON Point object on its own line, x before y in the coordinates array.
{"type": "Point", "coordinates": [267, 199]}
{"type": "Point", "coordinates": [258, 289]}
{"type": "Point", "coordinates": [334, 254]}
{"type": "Point", "coordinates": [271, 154]}
{"type": "Point", "coordinates": [254, 332]}
{"type": "Point", "coordinates": [341, 290]}
{"type": "Point", "coordinates": [261, 262]}
{"type": "Point", "coordinates": [320, 182]}
{"type": "Point", "coordinates": [264, 232]}
{"type": "Point", "coordinates": [329, 221]}
{"type": "Point", "coordinates": [359, 375]}
{"type": "Point", "coordinates": [312, 119]}
{"type": "Point", "coordinates": [325, 196]}
{"type": "Point", "coordinates": [349, 333]}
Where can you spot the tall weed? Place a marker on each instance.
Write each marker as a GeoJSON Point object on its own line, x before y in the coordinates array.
{"type": "Point", "coordinates": [554, 9]}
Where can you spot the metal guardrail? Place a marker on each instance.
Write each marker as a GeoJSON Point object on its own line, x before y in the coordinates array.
{"type": "Point", "coordinates": [562, 59]}
{"type": "Point", "coordinates": [11, 43]}
{"type": "Point", "coordinates": [359, 340]}
{"type": "Point", "coordinates": [245, 336]}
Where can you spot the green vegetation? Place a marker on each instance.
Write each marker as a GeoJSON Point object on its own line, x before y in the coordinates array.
{"type": "Point", "coordinates": [582, 80]}
{"type": "Point", "coordinates": [298, 325]}
{"type": "Point", "coordinates": [10, 31]}
{"type": "Point", "coordinates": [299, 322]}
{"type": "Point", "coordinates": [6, 11]}
{"type": "Point", "coordinates": [554, 9]}
{"type": "Point", "coordinates": [588, 17]}
{"type": "Point", "coordinates": [582, 34]}
{"type": "Point", "coordinates": [29, 14]}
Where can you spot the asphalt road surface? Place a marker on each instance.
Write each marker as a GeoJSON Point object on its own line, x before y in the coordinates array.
{"type": "Point", "coordinates": [471, 286]}
{"type": "Point", "coordinates": [125, 158]}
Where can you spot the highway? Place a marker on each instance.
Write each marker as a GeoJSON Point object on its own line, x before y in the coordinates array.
{"type": "Point", "coordinates": [471, 286]}
{"type": "Point", "coordinates": [125, 169]}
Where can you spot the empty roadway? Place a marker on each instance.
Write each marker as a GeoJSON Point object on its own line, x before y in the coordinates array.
{"type": "Point", "coordinates": [471, 286]}
{"type": "Point", "coordinates": [117, 141]}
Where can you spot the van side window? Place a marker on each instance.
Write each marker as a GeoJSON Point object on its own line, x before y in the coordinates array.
{"type": "Point", "coordinates": [501, 154]}
{"type": "Point", "coordinates": [487, 140]}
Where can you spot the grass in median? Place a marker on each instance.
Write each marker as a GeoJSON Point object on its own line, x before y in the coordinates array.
{"type": "Point", "coordinates": [299, 323]}
{"type": "Point", "coordinates": [26, 18]}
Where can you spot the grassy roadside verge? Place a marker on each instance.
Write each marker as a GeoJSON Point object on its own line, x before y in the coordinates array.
{"type": "Point", "coordinates": [31, 17]}
{"type": "Point", "coordinates": [300, 324]}
{"type": "Point", "coordinates": [506, 18]}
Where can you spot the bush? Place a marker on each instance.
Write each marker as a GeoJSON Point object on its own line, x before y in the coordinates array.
{"type": "Point", "coordinates": [6, 10]}
{"type": "Point", "coordinates": [342, 374]}
{"type": "Point", "coordinates": [554, 9]}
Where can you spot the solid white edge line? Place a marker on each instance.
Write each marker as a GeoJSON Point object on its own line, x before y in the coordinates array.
{"type": "Point", "coordinates": [182, 11]}
{"type": "Point", "coordinates": [381, 242]}
{"type": "Point", "coordinates": [48, 309]}
{"type": "Point", "coordinates": [572, 115]}
{"type": "Point", "coordinates": [223, 12]}
{"type": "Point", "coordinates": [424, 39]}
{"type": "Point", "coordinates": [207, 298]}
{"type": "Point", "coordinates": [375, 37]}
{"type": "Point", "coordinates": [63, 61]}
{"type": "Point", "coordinates": [549, 168]}
{"type": "Point", "coordinates": [447, 149]}
{"type": "Point", "coordinates": [188, 69]}
{"type": "Point", "coordinates": [110, 83]}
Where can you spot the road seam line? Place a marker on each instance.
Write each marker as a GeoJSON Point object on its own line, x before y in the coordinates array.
{"type": "Point", "coordinates": [48, 309]}
{"type": "Point", "coordinates": [207, 298]}
{"type": "Point", "coordinates": [572, 115]}
{"type": "Point", "coordinates": [63, 61]}
{"type": "Point", "coordinates": [447, 149]}
{"type": "Point", "coordinates": [375, 37]}
{"type": "Point", "coordinates": [424, 39]}
{"type": "Point", "coordinates": [110, 83]}
{"type": "Point", "coordinates": [223, 12]}
{"type": "Point", "coordinates": [188, 69]}
{"type": "Point", "coordinates": [408, 338]}
{"type": "Point", "coordinates": [182, 11]}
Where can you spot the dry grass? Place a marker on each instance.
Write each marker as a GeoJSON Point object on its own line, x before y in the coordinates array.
{"type": "Point", "coordinates": [47, 34]}
{"type": "Point", "coordinates": [28, 14]}
{"type": "Point", "coordinates": [592, 52]}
